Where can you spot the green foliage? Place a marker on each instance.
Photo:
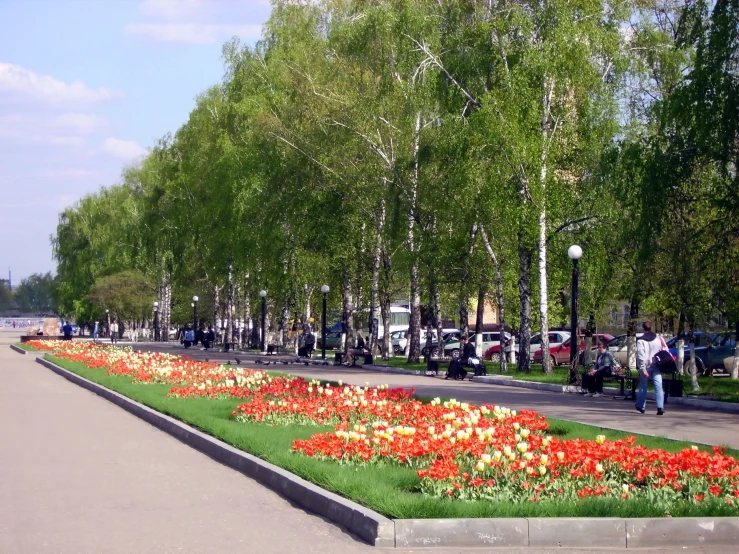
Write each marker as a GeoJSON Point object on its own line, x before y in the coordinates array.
{"type": "Point", "coordinates": [36, 293]}
{"type": "Point", "coordinates": [127, 295]}
{"type": "Point", "coordinates": [357, 135]}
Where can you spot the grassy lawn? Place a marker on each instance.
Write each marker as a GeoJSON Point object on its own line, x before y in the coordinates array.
{"type": "Point", "coordinates": [386, 488]}
{"type": "Point", "coordinates": [25, 347]}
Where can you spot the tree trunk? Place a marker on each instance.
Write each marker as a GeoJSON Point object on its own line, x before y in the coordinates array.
{"type": "Point", "coordinates": [693, 363]}
{"type": "Point", "coordinates": [735, 365]}
{"type": "Point", "coordinates": [284, 321]}
{"type": "Point", "coordinates": [414, 329]}
{"type": "Point", "coordinates": [589, 331]}
{"type": "Point", "coordinates": [216, 300]}
{"type": "Point", "coordinates": [681, 344]}
{"type": "Point", "coordinates": [247, 313]}
{"type": "Point", "coordinates": [375, 284]}
{"type": "Point", "coordinates": [543, 289]}
{"type": "Point", "coordinates": [498, 299]}
{"type": "Point", "coordinates": [479, 321]}
{"type": "Point", "coordinates": [631, 332]}
{"type": "Point", "coordinates": [237, 316]}
{"type": "Point", "coordinates": [347, 323]}
{"type": "Point", "coordinates": [524, 292]}
{"type": "Point", "coordinates": [228, 336]}
{"type": "Point", "coordinates": [384, 298]}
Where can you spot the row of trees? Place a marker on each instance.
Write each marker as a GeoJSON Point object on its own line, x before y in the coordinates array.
{"type": "Point", "coordinates": [35, 294]}
{"type": "Point", "coordinates": [441, 152]}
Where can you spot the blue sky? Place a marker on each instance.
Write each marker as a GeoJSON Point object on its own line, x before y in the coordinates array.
{"type": "Point", "coordinates": [86, 86]}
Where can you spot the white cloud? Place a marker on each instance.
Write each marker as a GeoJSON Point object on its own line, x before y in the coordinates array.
{"type": "Point", "coordinates": [69, 173]}
{"type": "Point", "coordinates": [192, 33]}
{"type": "Point", "coordinates": [19, 80]}
{"type": "Point", "coordinates": [124, 149]}
{"type": "Point", "coordinates": [84, 123]}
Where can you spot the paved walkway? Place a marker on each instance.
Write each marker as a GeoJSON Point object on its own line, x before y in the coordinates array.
{"type": "Point", "coordinates": [679, 422]}
{"type": "Point", "coordinates": [79, 475]}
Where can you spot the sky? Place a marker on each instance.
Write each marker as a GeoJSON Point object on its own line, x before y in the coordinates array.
{"type": "Point", "coordinates": [86, 87]}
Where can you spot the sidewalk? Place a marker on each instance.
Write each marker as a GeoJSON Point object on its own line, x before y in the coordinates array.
{"type": "Point", "coordinates": [80, 475]}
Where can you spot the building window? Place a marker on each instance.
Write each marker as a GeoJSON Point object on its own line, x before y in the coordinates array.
{"type": "Point", "coordinates": [627, 313]}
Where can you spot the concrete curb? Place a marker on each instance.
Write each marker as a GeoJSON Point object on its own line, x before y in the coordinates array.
{"type": "Point", "coordinates": [370, 526]}
{"type": "Point", "coordinates": [18, 349]}
{"type": "Point", "coordinates": [378, 530]}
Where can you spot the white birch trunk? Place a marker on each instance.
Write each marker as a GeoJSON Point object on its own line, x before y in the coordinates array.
{"type": "Point", "coordinates": [228, 336]}
{"type": "Point", "coordinates": [415, 297]}
{"type": "Point", "coordinates": [543, 289]}
{"type": "Point", "coordinates": [735, 363]}
{"type": "Point", "coordinates": [247, 312]}
{"type": "Point", "coordinates": [375, 279]}
{"type": "Point", "coordinates": [693, 365]}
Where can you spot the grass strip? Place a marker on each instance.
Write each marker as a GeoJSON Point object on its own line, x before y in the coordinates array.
{"type": "Point", "coordinates": [386, 488]}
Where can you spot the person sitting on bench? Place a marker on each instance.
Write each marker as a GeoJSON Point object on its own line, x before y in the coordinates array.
{"type": "Point", "coordinates": [309, 344]}
{"type": "Point", "coordinates": [605, 364]}
{"type": "Point", "coordinates": [358, 350]}
{"type": "Point", "coordinates": [457, 366]}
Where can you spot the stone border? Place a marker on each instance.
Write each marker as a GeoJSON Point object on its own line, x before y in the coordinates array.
{"type": "Point", "coordinates": [370, 526]}
{"type": "Point", "coordinates": [18, 349]}
{"type": "Point", "coordinates": [378, 530]}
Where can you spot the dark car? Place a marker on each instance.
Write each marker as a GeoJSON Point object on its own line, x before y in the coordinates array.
{"type": "Point", "coordinates": [711, 349]}
{"type": "Point", "coordinates": [333, 341]}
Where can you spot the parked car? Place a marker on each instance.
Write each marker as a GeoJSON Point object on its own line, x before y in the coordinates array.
{"type": "Point", "coordinates": [489, 339]}
{"type": "Point", "coordinates": [619, 348]}
{"type": "Point", "coordinates": [333, 341]}
{"type": "Point", "coordinates": [399, 339]}
{"type": "Point", "coordinates": [555, 339]}
{"type": "Point", "coordinates": [560, 354]}
{"type": "Point", "coordinates": [722, 345]}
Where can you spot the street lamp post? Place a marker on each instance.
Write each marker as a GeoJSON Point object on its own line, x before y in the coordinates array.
{"type": "Point", "coordinates": [575, 253]}
{"type": "Point", "coordinates": [263, 294]}
{"type": "Point", "coordinates": [195, 318]}
{"type": "Point", "coordinates": [156, 321]}
{"type": "Point", "coordinates": [324, 290]}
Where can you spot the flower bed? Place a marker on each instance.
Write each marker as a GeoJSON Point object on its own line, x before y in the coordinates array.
{"type": "Point", "coordinates": [457, 450]}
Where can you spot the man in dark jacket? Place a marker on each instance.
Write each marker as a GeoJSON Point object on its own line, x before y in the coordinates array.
{"type": "Point", "coordinates": [456, 367]}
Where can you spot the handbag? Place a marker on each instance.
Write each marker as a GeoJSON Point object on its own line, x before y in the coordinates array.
{"type": "Point", "coordinates": [663, 359]}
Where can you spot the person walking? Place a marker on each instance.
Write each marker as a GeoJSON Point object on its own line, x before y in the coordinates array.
{"type": "Point", "coordinates": [114, 332]}
{"type": "Point", "coordinates": [95, 332]}
{"type": "Point", "coordinates": [647, 347]}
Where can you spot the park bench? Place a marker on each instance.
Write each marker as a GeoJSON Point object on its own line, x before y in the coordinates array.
{"type": "Point", "coordinates": [341, 357]}
{"type": "Point", "coordinates": [275, 349]}
{"type": "Point", "coordinates": [671, 384]}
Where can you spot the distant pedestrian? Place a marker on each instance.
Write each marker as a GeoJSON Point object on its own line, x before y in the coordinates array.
{"type": "Point", "coordinates": [95, 332]}
{"type": "Point", "coordinates": [114, 332]}
{"type": "Point", "coordinates": [67, 330]}
{"type": "Point", "coordinates": [189, 337]}
{"type": "Point", "coordinates": [647, 347]}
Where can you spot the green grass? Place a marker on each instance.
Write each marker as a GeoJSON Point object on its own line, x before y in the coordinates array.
{"type": "Point", "coordinates": [388, 489]}
{"type": "Point", "coordinates": [26, 347]}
